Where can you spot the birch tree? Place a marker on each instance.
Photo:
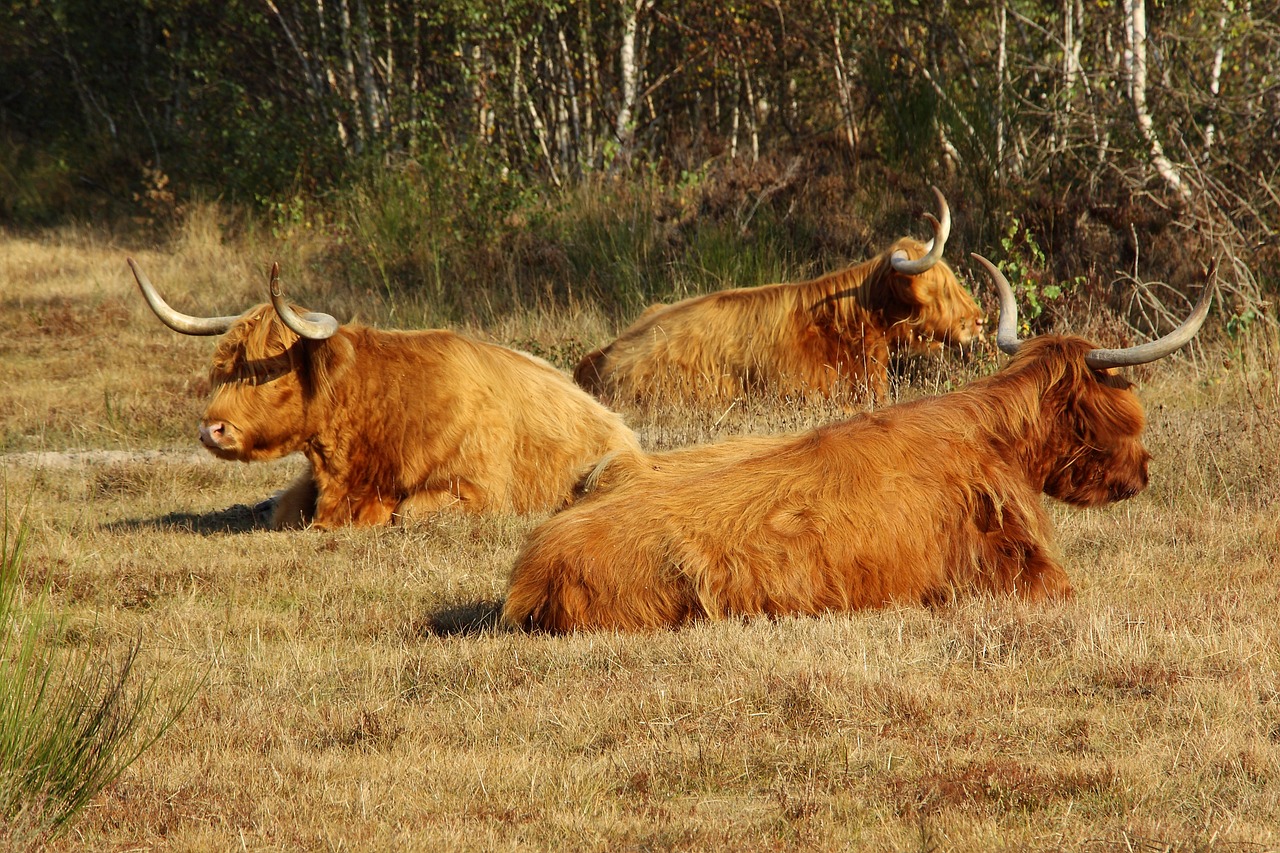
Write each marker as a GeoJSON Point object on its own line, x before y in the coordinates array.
{"type": "Point", "coordinates": [630, 71]}
{"type": "Point", "coordinates": [1135, 63]}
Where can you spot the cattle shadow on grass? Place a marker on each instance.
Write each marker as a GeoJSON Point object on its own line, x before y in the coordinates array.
{"type": "Point", "coordinates": [462, 620]}
{"type": "Point", "coordinates": [240, 518]}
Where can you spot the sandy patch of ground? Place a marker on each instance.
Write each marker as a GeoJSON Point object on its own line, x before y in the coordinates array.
{"type": "Point", "coordinates": [77, 458]}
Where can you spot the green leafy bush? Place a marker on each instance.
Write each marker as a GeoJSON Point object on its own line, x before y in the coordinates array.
{"type": "Point", "coordinates": [1025, 264]}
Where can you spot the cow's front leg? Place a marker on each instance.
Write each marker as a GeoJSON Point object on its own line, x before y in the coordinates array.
{"type": "Point", "coordinates": [296, 505]}
{"type": "Point", "coordinates": [427, 502]}
{"type": "Point", "coordinates": [459, 495]}
{"type": "Point", "coordinates": [356, 508]}
{"type": "Point", "coordinates": [1043, 579]}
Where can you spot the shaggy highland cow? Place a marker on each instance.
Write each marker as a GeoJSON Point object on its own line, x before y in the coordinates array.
{"type": "Point", "coordinates": [393, 423]}
{"type": "Point", "coordinates": [911, 503]}
{"type": "Point", "coordinates": [831, 337]}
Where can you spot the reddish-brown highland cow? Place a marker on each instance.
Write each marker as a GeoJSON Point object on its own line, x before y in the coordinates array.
{"type": "Point", "coordinates": [393, 423]}
{"type": "Point", "coordinates": [828, 337]}
{"type": "Point", "coordinates": [912, 503]}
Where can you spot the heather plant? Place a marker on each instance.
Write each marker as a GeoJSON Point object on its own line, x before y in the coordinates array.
{"type": "Point", "coordinates": [71, 719]}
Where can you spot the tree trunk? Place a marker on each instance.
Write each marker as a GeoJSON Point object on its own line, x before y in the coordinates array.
{"type": "Point", "coordinates": [521, 93]}
{"type": "Point", "coordinates": [844, 87]}
{"type": "Point", "coordinates": [624, 128]}
{"type": "Point", "coordinates": [373, 101]}
{"type": "Point", "coordinates": [349, 86]}
{"type": "Point", "coordinates": [1135, 60]}
{"type": "Point", "coordinates": [1002, 52]}
{"type": "Point", "coordinates": [1215, 77]}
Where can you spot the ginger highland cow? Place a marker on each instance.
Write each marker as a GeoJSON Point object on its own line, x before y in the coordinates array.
{"type": "Point", "coordinates": [393, 423]}
{"type": "Point", "coordinates": [831, 337]}
{"type": "Point", "coordinates": [913, 503]}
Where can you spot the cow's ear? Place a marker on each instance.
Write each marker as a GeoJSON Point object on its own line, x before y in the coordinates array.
{"type": "Point", "coordinates": [921, 289]}
{"type": "Point", "coordinates": [331, 359]}
{"type": "Point", "coordinates": [1105, 403]}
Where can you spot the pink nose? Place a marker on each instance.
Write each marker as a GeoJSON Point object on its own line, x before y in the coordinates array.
{"type": "Point", "coordinates": [211, 434]}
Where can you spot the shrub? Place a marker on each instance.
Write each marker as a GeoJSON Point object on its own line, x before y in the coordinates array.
{"type": "Point", "coordinates": [71, 720]}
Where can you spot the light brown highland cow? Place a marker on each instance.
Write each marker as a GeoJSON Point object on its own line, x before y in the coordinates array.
{"type": "Point", "coordinates": [393, 423]}
{"type": "Point", "coordinates": [830, 337]}
{"type": "Point", "coordinates": [913, 503]}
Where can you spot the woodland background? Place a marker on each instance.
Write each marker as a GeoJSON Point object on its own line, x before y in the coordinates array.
{"type": "Point", "coordinates": [487, 155]}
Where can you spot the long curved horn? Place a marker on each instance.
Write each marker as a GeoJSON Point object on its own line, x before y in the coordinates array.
{"type": "Point", "coordinates": [314, 326]}
{"type": "Point", "coordinates": [1007, 331]}
{"type": "Point", "coordinates": [933, 251]}
{"type": "Point", "coordinates": [184, 323]}
{"type": "Point", "coordinates": [1101, 359]}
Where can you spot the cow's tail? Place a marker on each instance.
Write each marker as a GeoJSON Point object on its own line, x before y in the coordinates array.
{"type": "Point", "coordinates": [610, 471]}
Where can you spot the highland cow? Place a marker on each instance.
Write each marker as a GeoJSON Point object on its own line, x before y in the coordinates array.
{"type": "Point", "coordinates": [393, 423]}
{"type": "Point", "coordinates": [913, 503]}
{"type": "Point", "coordinates": [831, 337]}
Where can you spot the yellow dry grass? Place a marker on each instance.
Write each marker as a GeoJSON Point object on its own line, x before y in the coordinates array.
{"type": "Point", "coordinates": [358, 697]}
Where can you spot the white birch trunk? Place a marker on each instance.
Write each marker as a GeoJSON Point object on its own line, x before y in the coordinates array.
{"type": "Point", "coordinates": [539, 127]}
{"type": "Point", "coordinates": [624, 128]}
{"type": "Point", "coordinates": [752, 107]}
{"type": "Point", "coordinates": [349, 141]}
{"type": "Point", "coordinates": [735, 120]}
{"type": "Point", "coordinates": [372, 100]}
{"type": "Point", "coordinates": [1215, 76]}
{"type": "Point", "coordinates": [591, 85]}
{"type": "Point", "coordinates": [844, 87]}
{"type": "Point", "coordinates": [1135, 59]}
{"type": "Point", "coordinates": [571, 88]}
{"type": "Point", "coordinates": [349, 87]}
{"type": "Point", "coordinates": [415, 83]}
{"type": "Point", "coordinates": [1002, 32]}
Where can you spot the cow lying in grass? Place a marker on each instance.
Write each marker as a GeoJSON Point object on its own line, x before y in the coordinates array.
{"type": "Point", "coordinates": [911, 503]}
{"type": "Point", "coordinates": [393, 423]}
{"type": "Point", "coordinates": [831, 337]}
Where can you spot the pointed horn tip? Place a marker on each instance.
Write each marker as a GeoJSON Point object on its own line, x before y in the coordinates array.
{"type": "Point", "coordinates": [1102, 359]}
{"type": "Point", "coordinates": [1201, 308]}
{"type": "Point", "coordinates": [139, 276]}
{"type": "Point", "coordinates": [942, 199]}
{"type": "Point", "coordinates": [1007, 325]}
{"type": "Point", "coordinates": [275, 280]}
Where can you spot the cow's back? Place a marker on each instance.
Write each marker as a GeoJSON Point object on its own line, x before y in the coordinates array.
{"type": "Point", "coordinates": [530, 427]}
{"type": "Point", "coordinates": [704, 348]}
{"type": "Point", "coordinates": [501, 429]}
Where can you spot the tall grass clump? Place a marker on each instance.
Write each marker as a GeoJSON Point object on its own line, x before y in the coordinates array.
{"type": "Point", "coordinates": [612, 240]}
{"type": "Point", "coordinates": [458, 238]}
{"type": "Point", "coordinates": [430, 227]}
{"type": "Point", "coordinates": [721, 255]}
{"type": "Point", "coordinates": [631, 241]}
{"type": "Point", "coordinates": [71, 721]}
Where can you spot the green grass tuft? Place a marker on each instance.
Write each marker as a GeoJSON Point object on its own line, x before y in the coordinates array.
{"type": "Point", "coordinates": [71, 720]}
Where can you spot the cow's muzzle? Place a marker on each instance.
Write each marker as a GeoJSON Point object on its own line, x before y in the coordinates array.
{"type": "Point", "coordinates": [217, 436]}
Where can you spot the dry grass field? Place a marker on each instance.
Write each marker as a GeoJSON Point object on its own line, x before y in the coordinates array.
{"type": "Point", "coordinates": [357, 695]}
